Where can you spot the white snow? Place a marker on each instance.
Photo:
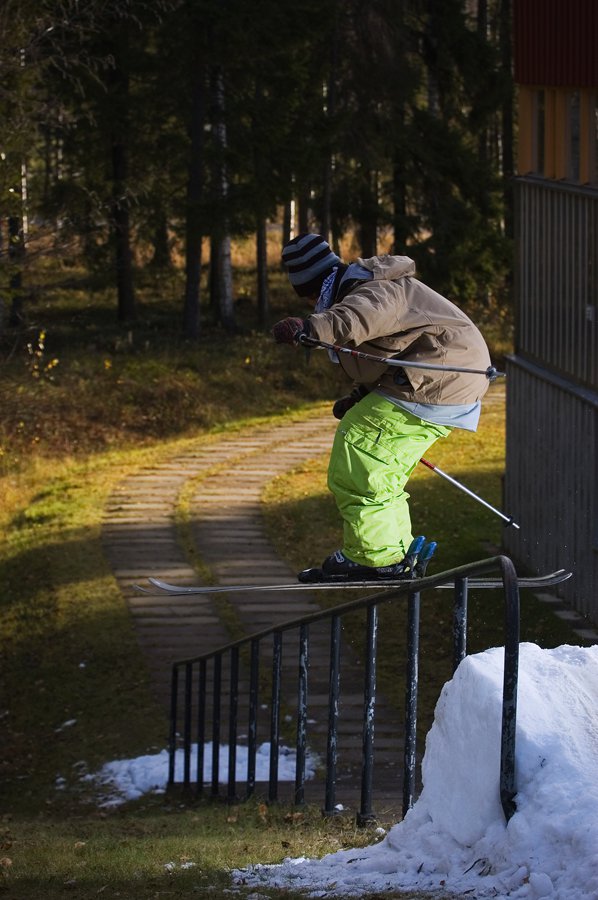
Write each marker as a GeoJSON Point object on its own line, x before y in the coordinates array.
{"type": "Point", "coordinates": [455, 839]}
{"type": "Point", "coordinates": [129, 779]}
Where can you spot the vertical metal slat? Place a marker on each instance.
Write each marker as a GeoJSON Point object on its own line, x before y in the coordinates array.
{"type": "Point", "coordinates": [217, 690]}
{"type": "Point", "coordinates": [201, 725]}
{"type": "Point", "coordinates": [365, 814]}
{"type": "Point", "coordinates": [333, 711]}
{"type": "Point", "coordinates": [411, 686]}
{"type": "Point", "coordinates": [232, 724]}
{"type": "Point", "coordinates": [275, 715]}
{"type": "Point", "coordinates": [302, 715]}
{"type": "Point", "coordinates": [254, 673]}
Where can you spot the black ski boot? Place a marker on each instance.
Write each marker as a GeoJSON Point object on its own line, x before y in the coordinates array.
{"type": "Point", "coordinates": [337, 568]}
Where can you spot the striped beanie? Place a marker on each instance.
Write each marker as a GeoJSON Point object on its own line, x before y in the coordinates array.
{"type": "Point", "coordinates": [308, 260]}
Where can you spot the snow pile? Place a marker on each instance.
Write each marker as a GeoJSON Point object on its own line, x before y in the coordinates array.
{"type": "Point", "coordinates": [455, 838]}
{"type": "Point", "coordinates": [129, 779]}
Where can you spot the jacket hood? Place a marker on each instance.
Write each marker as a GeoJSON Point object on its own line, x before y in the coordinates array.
{"type": "Point", "coordinates": [387, 267]}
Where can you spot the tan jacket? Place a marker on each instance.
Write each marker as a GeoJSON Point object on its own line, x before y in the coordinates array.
{"type": "Point", "coordinates": [396, 315]}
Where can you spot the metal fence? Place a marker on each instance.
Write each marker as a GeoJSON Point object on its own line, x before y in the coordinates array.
{"type": "Point", "coordinates": [207, 689]}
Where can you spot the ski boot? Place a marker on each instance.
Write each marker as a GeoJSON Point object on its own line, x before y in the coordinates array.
{"type": "Point", "coordinates": [337, 568]}
{"type": "Point", "coordinates": [424, 558]}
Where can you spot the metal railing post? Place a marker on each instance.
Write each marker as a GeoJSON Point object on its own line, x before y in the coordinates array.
{"type": "Point", "coordinates": [333, 698]}
{"type": "Point", "coordinates": [232, 724]}
{"type": "Point", "coordinates": [201, 725]}
{"type": "Point", "coordinates": [275, 716]}
{"type": "Point", "coordinates": [365, 814]}
{"type": "Point", "coordinates": [216, 692]}
{"type": "Point", "coordinates": [188, 694]}
{"type": "Point", "coordinates": [174, 690]}
{"type": "Point", "coordinates": [508, 788]}
{"type": "Point", "coordinates": [460, 621]}
{"type": "Point", "coordinates": [411, 684]}
{"type": "Point", "coordinates": [254, 675]}
{"type": "Point", "coordinates": [302, 715]}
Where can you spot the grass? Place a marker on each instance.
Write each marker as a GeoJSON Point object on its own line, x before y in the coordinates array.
{"type": "Point", "coordinates": [157, 849]}
{"type": "Point", "coordinates": [84, 401]}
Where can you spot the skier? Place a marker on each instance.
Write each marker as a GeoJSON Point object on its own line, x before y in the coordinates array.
{"type": "Point", "coordinates": [392, 415]}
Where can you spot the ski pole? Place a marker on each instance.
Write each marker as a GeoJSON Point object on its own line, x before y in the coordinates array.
{"type": "Point", "coordinates": [491, 372]}
{"type": "Point", "coordinates": [508, 519]}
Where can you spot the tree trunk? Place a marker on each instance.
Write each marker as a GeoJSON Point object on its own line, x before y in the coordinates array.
{"type": "Point", "coordinates": [303, 210]}
{"type": "Point", "coordinates": [399, 211]}
{"type": "Point", "coordinates": [118, 95]}
{"type": "Point", "coordinates": [432, 60]}
{"type": "Point", "coordinates": [193, 223]}
{"type": "Point", "coordinates": [263, 300]}
{"type": "Point", "coordinates": [368, 215]}
{"type": "Point", "coordinates": [121, 230]}
{"type": "Point", "coordinates": [161, 257]}
{"type": "Point", "coordinates": [330, 109]}
{"type": "Point", "coordinates": [286, 223]}
{"type": "Point", "coordinates": [222, 276]}
{"type": "Point", "coordinates": [482, 27]}
{"type": "Point", "coordinates": [16, 252]}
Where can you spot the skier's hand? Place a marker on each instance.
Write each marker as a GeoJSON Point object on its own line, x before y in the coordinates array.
{"type": "Point", "coordinates": [288, 331]}
{"type": "Point", "coordinates": [342, 406]}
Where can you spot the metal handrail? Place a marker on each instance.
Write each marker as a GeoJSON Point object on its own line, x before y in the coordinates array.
{"type": "Point", "coordinates": [412, 590]}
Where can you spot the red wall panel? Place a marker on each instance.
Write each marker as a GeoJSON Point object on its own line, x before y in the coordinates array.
{"type": "Point", "coordinates": [556, 42]}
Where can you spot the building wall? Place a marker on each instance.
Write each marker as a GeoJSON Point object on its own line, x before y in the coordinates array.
{"type": "Point", "coordinates": [555, 42]}
{"type": "Point", "coordinates": [557, 277]}
{"type": "Point", "coordinates": [551, 478]}
{"type": "Point", "coordinates": [551, 486]}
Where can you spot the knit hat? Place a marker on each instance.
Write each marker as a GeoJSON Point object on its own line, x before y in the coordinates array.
{"type": "Point", "coordinates": [308, 260]}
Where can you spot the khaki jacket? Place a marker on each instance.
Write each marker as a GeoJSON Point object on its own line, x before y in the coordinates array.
{"type": "Point", "coordinates": [396, 315]}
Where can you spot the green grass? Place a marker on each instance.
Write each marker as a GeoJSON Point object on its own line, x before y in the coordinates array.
{"type": "Point", "coordinates": [160, 849]}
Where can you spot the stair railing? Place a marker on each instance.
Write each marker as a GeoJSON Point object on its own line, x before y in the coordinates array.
{"type": "Point", "coordinates": [190, 681]}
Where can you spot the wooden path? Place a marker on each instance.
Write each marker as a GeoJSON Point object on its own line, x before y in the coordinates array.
{"type": "Point", "coordinates": [222, 481]}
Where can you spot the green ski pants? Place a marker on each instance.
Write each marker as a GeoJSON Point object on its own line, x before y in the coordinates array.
{"type": "Point", "coordinates": [376, 447]}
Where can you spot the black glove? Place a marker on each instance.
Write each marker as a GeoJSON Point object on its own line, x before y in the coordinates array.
{"type": "Point", "coordinates": [345, 403]}
{"type": "Point", "coordinates": [288, 331]}
{"type": "Point", "coordinates": [342, 406]}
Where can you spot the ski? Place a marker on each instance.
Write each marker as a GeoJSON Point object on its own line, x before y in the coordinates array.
{"type": "Point", "coordinates": [164, 587]}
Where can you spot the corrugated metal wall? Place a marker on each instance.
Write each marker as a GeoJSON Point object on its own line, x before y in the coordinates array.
{"type": "Point", "coordinates": [551, 487]}
{"type": "Point", "coordinates": [555, 42]}
{"type": "Point", "coordinates": [557, 277]}
{"type": "Point", "coordinates": [551, 480]}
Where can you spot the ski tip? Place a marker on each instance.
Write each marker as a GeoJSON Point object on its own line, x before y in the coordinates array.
{"type": "Point", "coordinates": [141, 589]}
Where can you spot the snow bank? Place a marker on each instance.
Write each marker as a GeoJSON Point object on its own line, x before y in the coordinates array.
{"type": "Point", "coordinates": [129, 779]}
{"type": "Point", "coordinates": [455, 838]}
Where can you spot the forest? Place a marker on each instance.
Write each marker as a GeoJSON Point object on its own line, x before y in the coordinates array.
{"type": "Point", "coordinates": [146, 136]}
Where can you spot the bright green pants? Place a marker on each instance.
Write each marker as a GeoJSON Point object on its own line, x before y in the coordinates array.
{"type": "Point", "coordinates": [376, 447]}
